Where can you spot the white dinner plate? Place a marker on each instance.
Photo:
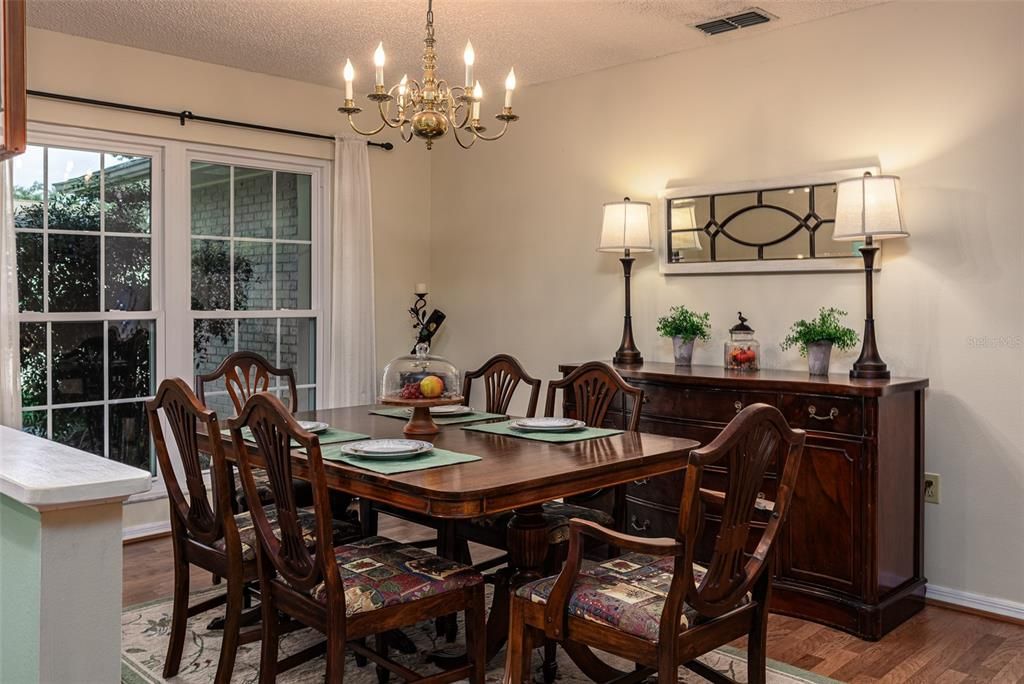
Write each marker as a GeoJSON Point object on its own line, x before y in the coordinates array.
{"type": "Point", "coordinates": [548, 424]}
{"type": "Point", "coordinates": [386, 449]}
{"type": "Point", "coordinates": [446, 411]}
{"type": "Point", "coordinates": [313, 425]}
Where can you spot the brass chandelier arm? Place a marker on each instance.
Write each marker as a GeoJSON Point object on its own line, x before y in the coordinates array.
{"type": "Point", "coordinates": [455, 132]}
{"type": "Point", "coordinates": [361, 132]}
{"type": "Point", "coordinates": [492, 138]}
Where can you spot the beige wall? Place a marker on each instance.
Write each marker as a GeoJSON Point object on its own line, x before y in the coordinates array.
{"type": "Point", "coordinates": [933, 91]}
{"type": "Point", "coordinates": [401, 194]}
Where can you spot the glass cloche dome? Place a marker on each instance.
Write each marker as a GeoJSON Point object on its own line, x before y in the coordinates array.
{"type": "Point", "coordinates": [421, 376]}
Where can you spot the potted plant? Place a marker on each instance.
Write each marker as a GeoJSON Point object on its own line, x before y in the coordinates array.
{"type": "Point", "coordinates": [815, 338]}
{"type": "Point", "coordinates": [684, 326]}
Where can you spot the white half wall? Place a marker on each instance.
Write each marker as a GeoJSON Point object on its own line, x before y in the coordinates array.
{"type": "Point", "coordinates": [934, 91]}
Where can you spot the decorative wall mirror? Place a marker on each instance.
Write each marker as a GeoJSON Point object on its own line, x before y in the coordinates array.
{"type": "Point", "coordinates": [13, 83]}
{"type": "Point", "coordinates": [756, 227]}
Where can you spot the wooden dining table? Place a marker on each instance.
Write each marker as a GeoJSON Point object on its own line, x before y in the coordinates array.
{"type": "Point", "coordinates": [513, 474]}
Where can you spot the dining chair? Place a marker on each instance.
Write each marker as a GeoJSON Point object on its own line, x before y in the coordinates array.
{"type": "Point", "coordinates": [501, 376]}
{"type": "Point", "coordinates": [205, 530]}
{"type": "Point", "coordinates": [654, 605]}
{"type": "Point", "coordinates": [245, 373]}
{"type": "Point", "coordinates": [348, 592]}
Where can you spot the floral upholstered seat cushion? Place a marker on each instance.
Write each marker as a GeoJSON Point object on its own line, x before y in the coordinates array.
{"type": "Point", "coordinates": [557, 514]}
{"type": "Point", "coordinates": [263, 489]}
{"type": "Point", "coordinates": [627, 593]}
{"type": "Point", "coordinates": [378, 572]}
{"type": "Point", "coordinates": [344, 530]}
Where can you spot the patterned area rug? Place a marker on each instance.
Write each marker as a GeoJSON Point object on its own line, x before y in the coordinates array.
{"type": "Point", "coordinates": [144, 634]}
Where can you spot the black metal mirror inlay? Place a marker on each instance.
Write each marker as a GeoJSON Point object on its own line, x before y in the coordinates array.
{"type": "Point", "coordinates": [757, 225]}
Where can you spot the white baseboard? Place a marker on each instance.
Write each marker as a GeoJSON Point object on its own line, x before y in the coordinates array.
{"type": "Point", "coordinates": [145, 530]}
{"type": "Point", "coordinates": [987, 604]}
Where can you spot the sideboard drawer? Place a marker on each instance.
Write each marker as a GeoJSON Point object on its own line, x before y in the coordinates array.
{"type": "Point", "coordinates": [823, 413]}
{"type": "Point", "coordinates": [644, 520]}
{"type": "Point", "coordinates": [666, 490]}
{"type": "Point", "coordinates": [713, 406]}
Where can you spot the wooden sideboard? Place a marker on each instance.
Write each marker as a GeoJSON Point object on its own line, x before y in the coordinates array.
{"type": "Point", "coordinates": [851, 553]}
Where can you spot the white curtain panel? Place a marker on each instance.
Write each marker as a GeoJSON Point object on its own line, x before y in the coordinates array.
{"type": "Point", "coordinates": [353, 340]}
{"type": "Point", "coordinates": [10, 385]}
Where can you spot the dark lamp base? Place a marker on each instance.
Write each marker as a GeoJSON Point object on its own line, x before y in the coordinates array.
{"type": "Point", "coordinates": [627, 357]}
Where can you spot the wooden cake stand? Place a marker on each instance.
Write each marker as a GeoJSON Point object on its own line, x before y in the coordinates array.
{"type": "Point", "coordinates": [421, 423]}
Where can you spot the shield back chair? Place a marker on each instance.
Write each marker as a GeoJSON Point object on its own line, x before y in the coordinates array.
{"type": "Point", "coordinates": [243, 374]}
{"type": "Point", "coordinates": [205, 530]}
{"type": "Point", "coordinates": [654, 605]}
{"type": "Point", "coordinates": [204, 534]}
{"type": "Point", "coordinates": [348, 592]}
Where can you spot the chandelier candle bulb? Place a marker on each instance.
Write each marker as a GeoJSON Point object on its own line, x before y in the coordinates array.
{"type": "Point", "coordinates": [478, 94]}
{"type": "Point", "coordinates": [510, 85]}
{"type": "Point", "coordinates": [349, 73]}
{"type": "Point", "coordinates": [378, 61]}
{"type": "Point", "coordinates": [470, 57]}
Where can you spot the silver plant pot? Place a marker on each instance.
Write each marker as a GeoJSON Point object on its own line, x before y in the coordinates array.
{"type": "Point", "coordinates": [818, 356]}
{"type": "Point", "coordinates": [682, 348]}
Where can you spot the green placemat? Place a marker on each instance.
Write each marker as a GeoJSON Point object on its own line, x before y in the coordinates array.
{"type": "Point", "coordinates": [557, 437]}
{"type": "Point", "coordinates": [403, 413]}
{"type": "Point", "coordinates": [328, 436]}
{"type": "Point", "coordinates": [433, 459]}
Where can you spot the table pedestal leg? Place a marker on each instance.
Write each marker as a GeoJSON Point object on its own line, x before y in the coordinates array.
{"type": "Point", "coordinates": [527, 548]}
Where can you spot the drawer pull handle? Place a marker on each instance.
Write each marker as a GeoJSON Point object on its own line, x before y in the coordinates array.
{"type": "Point", "coordinates": [640, 483]}
{"type": "Point", "coordinates": [813, 413]}
{"type": "Point", "coordinates": [738, 406]}
{"type": "Point", "coordinates": [638, 526]}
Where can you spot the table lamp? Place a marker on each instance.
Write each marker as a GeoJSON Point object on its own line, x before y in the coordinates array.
{"type": "Point", "coordinates": [869, 208]}
{"type": "Point", "coordinates": [626, 229]}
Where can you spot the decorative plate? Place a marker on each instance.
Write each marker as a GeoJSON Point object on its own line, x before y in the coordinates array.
{"type": "Point", "coordinates": [387, 449]}
{"type": "Point", "coordinates": [313, 425]}
{"type": "Point", "coordinates": [548, 424]}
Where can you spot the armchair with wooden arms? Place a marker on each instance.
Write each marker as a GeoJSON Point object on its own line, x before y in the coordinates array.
{"type": "Point", "coordinates": [653, 605]}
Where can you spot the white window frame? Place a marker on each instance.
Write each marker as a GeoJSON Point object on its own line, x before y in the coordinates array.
{"type": "Point", "coordinates": [180, 299]}
{"type": "Point", "coordinates": [171, 236]}
{"type": "Point", "coordinates": [93, 141]}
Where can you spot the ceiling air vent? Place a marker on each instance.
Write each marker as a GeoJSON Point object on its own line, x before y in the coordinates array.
{"type": "Point", "coordinates": [750, 17]}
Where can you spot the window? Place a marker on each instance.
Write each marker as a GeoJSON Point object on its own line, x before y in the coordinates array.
{"type": "Point", "coordinates": [84, 226]}
{"type": "Point", "coordinates": [252, 245]}
{"type": "Point", "coordinates": [110, 302]}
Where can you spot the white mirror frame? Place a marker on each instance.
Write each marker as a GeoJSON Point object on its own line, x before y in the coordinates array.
{"type": "Point", "coordinates": [824, 265]}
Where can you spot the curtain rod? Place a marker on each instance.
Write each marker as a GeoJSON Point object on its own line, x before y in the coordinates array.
{"type": "Point", "coordinates": [185, 114]}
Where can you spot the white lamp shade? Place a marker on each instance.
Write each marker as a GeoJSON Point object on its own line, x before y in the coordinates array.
{"type": "Point", "coordinates": [627, 225]}
{"type": "Point", "coordinates": [869, 206]}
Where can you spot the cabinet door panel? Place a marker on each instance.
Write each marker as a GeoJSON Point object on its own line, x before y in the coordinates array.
{"type": "Point", "coordinates": [819, 543]}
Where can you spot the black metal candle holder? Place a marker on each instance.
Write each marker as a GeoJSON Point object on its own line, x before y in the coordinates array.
{"type": "Point", "coordinates": [426, 326]}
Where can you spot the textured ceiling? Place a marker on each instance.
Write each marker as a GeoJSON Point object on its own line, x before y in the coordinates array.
{"type": "Point", "coordinates": [308, 40]}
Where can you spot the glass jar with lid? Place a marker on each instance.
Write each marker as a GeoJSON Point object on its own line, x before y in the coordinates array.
{"type": "Point", "coordinates": [742, 351]}
{"type": "Point", "coordinates": [420, 381]}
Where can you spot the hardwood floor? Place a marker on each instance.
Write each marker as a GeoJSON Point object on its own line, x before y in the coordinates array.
{"type": "Point", "coordinates": [936, 646]}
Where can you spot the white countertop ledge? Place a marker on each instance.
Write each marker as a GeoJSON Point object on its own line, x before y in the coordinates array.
{"type": "Point", "coordinates": [44, 474]}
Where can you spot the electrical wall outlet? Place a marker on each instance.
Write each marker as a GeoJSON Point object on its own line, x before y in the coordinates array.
{"type": "Point", "coordinates": [932, 488]}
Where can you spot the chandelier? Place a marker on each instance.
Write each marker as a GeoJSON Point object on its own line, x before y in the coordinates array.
{"type": "Point", "coordinates": [428, 109]}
